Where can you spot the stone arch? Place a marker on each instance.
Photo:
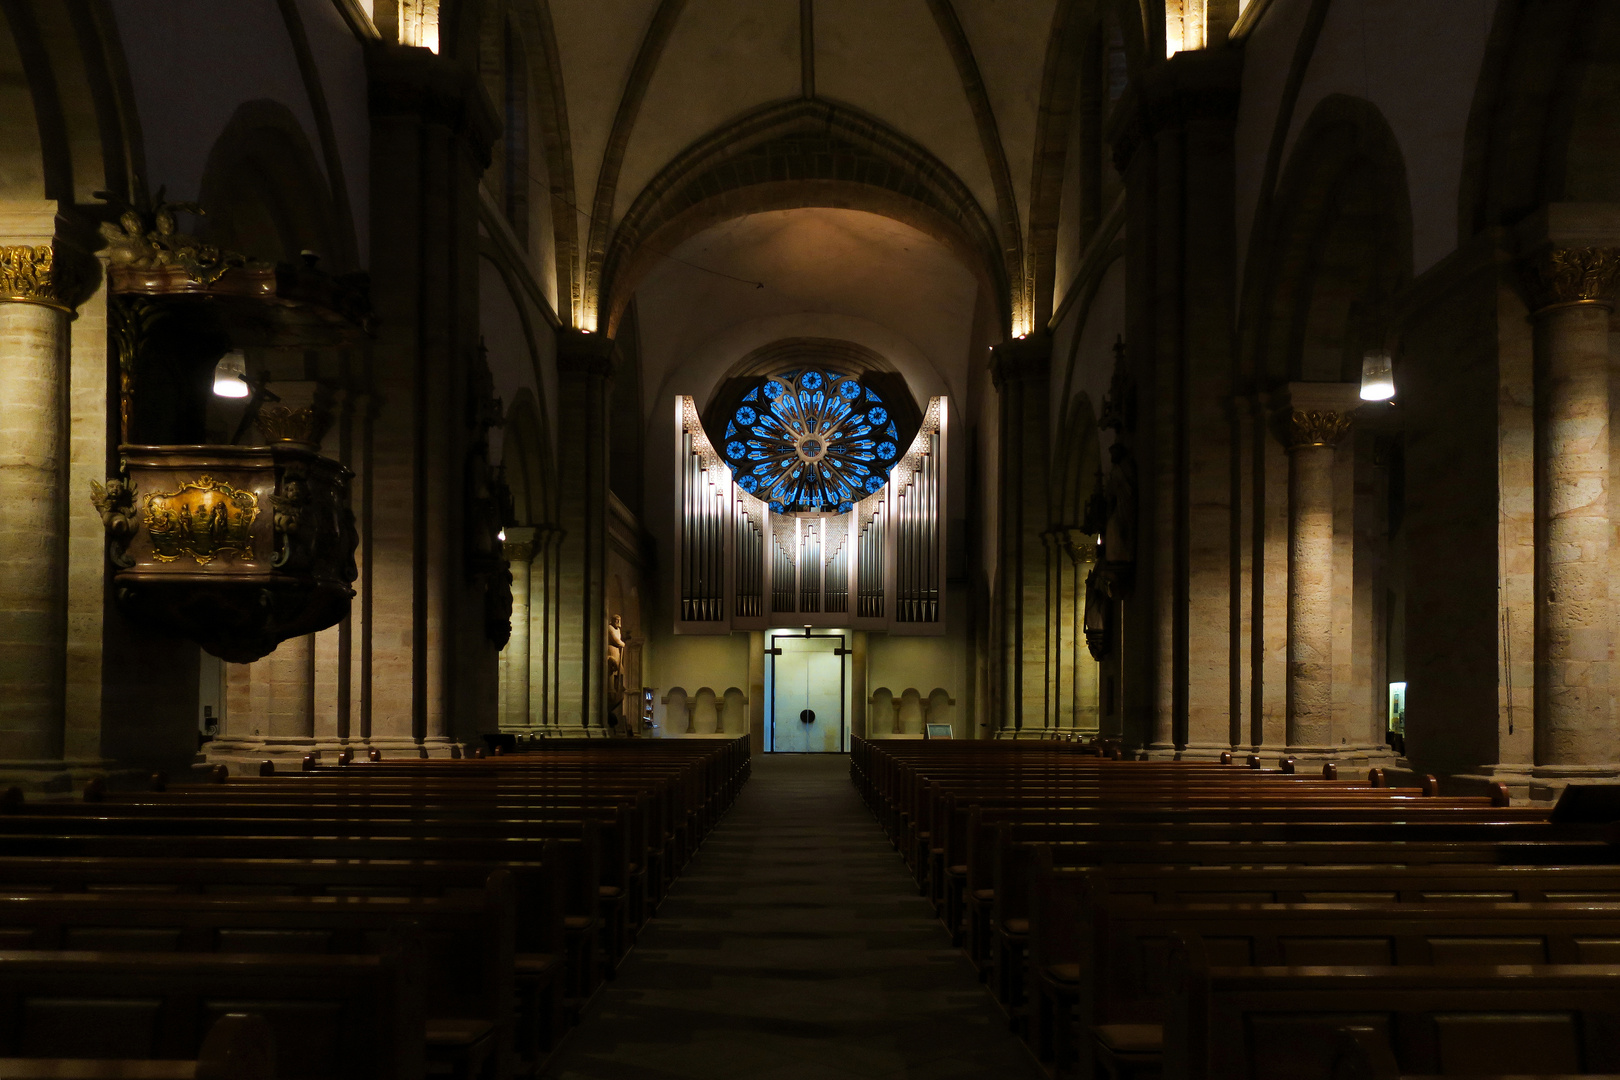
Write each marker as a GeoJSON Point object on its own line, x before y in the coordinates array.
{"type": "Point", "coordinates": [67, 73]}
{"type": "Point", "coordinates": [1075, 79]}
{"type": "Point", "coordinates": [527, 25]}
{"type": "Point", "coordinates": [807, 153]}
{"type": "Point", "coordinates": [1541, 126]}
{"type": "Point", "coordinates": [849, 357]}
{"type": "Point", "coordinates": [941, 707]}
{"type": "Point", "coordinates": [264, 191]}
{"type": "Point", "coordinates": [1335, 250]}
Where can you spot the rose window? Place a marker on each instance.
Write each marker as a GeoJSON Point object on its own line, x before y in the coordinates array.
{"type": "Point", "coordinates": [811, 440]}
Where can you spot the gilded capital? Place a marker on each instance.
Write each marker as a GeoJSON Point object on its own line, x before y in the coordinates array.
{"type": "Point", "coordinates": [1314, 427]}
{"type": "Point", "coordinates": [1555, 277]}
{"type": "Point", "coordinates": [31, 274]}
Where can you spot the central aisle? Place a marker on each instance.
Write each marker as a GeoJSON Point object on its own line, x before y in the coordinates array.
{"type": "Point", "coordinates": [795, 947]}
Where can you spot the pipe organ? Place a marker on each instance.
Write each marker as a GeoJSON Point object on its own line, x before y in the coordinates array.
{"type": "Point", "coordinates": [878, 565]}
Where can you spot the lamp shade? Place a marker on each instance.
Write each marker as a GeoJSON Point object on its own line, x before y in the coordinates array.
{"type": "Point", "coordinates": [1377, 376]}
{"type": "Point", "coordinates": [230, 376]}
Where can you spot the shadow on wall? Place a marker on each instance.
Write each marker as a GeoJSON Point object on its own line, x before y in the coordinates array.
{"type": "Point", "coordinates": [902, 716]}
{"type": "Point", "coordinates": [703, 712]}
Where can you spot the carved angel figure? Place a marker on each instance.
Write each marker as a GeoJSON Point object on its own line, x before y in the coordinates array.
{"type": "Point", "coordinates": [115, 502]}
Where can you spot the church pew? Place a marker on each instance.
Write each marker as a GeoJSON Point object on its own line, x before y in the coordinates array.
{"type": "Point", "coordinates": [1281, 1023]}
{"type": "Point", "coordinates": [625, 825]}
{"type": "Point", "coordinates": [998, 903]}
{"type": "Point", "coordinates": [1065, 902]}
{"type": "Point", "coordinates": [573, 861]}
{"type": "Point", "coordinates": [1121, 972]}
{"type": "Point", "coordinates": [469, 958]}
{"type": "Point", "coordinates": [539, 941]}
{"type": "Point", "coordinates": [611, 829]}
{"type": "Point", "coordinates": [238, 1046]}
{"type": "Point", "coordinates": [333, 1017]}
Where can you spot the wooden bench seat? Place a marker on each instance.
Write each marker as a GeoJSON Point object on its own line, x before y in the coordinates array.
{"type": "Point", "coordinates": [336, 1017]}
{"type": "Point", "coordinates": [1281, 1023]}
{"type": "Point", "coordinates": [468, 946]}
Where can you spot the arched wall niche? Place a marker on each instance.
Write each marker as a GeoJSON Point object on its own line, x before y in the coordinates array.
{"type": "Point", "coordinates": [1078, 463]}
{"type": "Point", "coordinates": [525, 455]}
{"type": "Point", "coordinates": [837, 158]}
{"type": "Point", "coordinates": [1541, 128]}
{"type": "Point", "coordinates": [1335, 252]}
{"type": "Point", "coordinates": [264, 192]}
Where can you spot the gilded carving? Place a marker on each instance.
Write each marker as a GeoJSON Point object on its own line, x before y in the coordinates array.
{"type": "Point", "coordinates": [204, 519]}
{"type": "Point", "coordinates": [1558, 276]}
{"type": "Point", "coordinates": [1315, 427]}
{"type": "Point", "coordinates": [279, 423]}
{"type": "Point", "coordinates": [115, 502]}
{"type": "Point", "coordinates": [30, 274]}
{"type": "Point", "coordinates": [151, 240]}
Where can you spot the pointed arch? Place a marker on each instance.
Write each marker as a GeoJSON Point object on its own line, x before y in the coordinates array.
{"type": "Point", "coordinates": [1336, 248]}
{"type": "Point", "coordinates": [1541, 126]}
{"type": "Point", "coordinates": [789, 155]}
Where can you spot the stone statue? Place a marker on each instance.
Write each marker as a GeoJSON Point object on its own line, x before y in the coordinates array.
{"type": "Point", "coordinates": [615, 672]}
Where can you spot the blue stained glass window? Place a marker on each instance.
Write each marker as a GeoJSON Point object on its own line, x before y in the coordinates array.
{"type": "Point", "coordinates": [807, 443]}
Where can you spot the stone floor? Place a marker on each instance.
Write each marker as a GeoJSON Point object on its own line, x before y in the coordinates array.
{"type": "Point", "coordinates": [794, 947]}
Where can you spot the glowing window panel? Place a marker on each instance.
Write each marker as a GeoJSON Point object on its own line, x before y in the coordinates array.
{"type": "Point", "coordinates": [809, 442]}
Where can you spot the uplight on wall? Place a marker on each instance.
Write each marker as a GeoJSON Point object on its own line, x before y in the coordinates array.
{"type": "Point", "coordinates": [1377, 376]}
{"type": "Point", "coordinates": [230, 376]}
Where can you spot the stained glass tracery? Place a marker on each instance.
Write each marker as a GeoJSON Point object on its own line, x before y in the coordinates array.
{"type": "Point", "coordinates": [811, 440]}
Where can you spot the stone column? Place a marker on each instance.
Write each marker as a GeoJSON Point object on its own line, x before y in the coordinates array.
{"type": "Point", "coordinates": [1021, 370]}
{"type": "Point", "coordinates": [432, 661]}
{"type": "Point", "coordinates": [585, 364]}
{"type": "Point", "coordinates": [34, 314]}
{"type": "Point", "coordinates": [519, 551]}
{"type": "Point", "coordinates": [1572, 292]}
{"type": "Point", "coordinates": [1316, 418]}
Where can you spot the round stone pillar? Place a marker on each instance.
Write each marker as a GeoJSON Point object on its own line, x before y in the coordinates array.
{"type": "Point", "coordinates": [1572, 292]}
{"type": "Point", "coordinates": [1310, 436]}
{"type": "Point", "coordinates": [288, 676]}
{"type": "Point", "coordinates": [33, 492]}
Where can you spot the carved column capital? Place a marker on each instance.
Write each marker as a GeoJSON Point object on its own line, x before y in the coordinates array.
{"type": "Point", "coordinates": [1557, 277]}
{"type": "Point", "coordinates": [581, 354]}
{"type": "Point", "coordinates": [1025, 358]}
{"type": "Point", "coordinates": [520, 544]}
{"type": "Point", "coordinates": [33, 274]}
{"type": "Point", "coordinates": [1314, 427]}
